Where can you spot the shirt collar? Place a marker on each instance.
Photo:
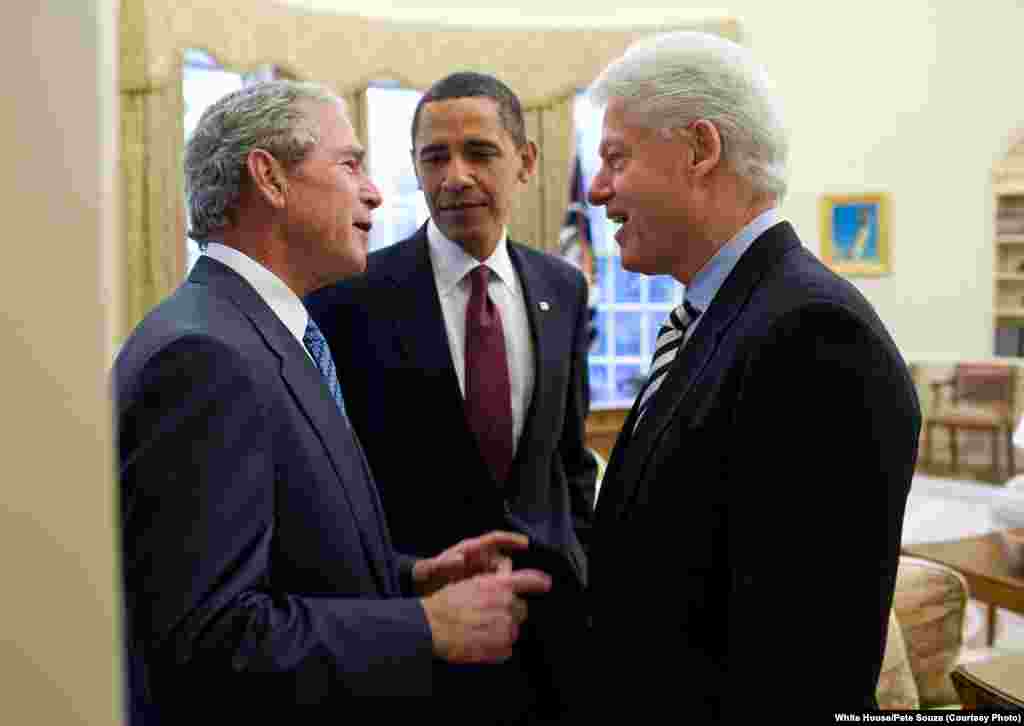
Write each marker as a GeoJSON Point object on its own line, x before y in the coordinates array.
{"type": "Point", "coordinates": [452, 263]}
{"type": "Point", "coordinates": [707, 282]}
{"type": "Point", "coordinates": [281, 299]}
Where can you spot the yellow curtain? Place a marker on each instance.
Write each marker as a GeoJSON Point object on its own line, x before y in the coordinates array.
{"type": "Point", "coordinates": [344, 53]}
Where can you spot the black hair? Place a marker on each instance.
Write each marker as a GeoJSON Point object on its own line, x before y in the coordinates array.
{"type": "Point", "coordinates": [467, 84]}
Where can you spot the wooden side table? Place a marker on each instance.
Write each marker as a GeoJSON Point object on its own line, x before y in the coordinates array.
{"type": "Point", "coordinates": [995, 683]}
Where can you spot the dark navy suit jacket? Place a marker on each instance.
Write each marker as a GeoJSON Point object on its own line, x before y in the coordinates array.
{"type": "Point", "coordinates": [258, 569]}
{"type": "Point", "coordinates": [747, 534]}
{"type": "Point", "coordinates": [387, 331]}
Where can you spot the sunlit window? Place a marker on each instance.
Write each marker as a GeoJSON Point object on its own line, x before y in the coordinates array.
{"type": "Point", "coordinates": [389, 146]}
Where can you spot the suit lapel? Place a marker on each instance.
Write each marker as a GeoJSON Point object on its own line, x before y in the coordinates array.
{"type": "Point", "coordinates": [310, 393]}
{"type": "Point", "coordinates": [633, 450]}
{"type": "Point", "coordinates": [536, 289]}
{"type": "Point", "coordinates": [423, 336]}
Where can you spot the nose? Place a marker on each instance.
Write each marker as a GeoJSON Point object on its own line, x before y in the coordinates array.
{"type": "Point", "coordinates": [600, 189]}
{"type": "Point", "coordinates": [457, 175]}
{"type": "Point", "coordinates": [369, 194]}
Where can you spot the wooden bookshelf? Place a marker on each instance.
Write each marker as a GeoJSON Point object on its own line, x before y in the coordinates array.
{"type": "Point", "coordinates": [1008, 243]}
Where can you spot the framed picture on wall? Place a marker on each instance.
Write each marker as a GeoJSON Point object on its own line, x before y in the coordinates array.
{"type": "Point", "coordinates": [855, 234]}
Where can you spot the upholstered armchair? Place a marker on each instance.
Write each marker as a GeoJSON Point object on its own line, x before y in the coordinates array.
{"type": "Point", "coordinates": [926, 636]}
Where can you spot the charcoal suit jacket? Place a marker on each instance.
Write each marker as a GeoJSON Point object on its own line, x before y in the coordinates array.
{"type": "Point", "coordinates": [748, 531]}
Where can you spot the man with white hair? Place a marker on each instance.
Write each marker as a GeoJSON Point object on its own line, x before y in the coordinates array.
{"type": "Point", "coordinates": [258, 569]}
{"type": "Point", "coordinates": [747, 535]}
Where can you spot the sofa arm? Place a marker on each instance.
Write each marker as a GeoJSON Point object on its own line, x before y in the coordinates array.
{"type": "Point", "coordinates": [930, 605]}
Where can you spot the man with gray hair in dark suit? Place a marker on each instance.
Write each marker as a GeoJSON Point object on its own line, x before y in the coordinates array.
{"type": "Point", "coordinates": [712, 535]}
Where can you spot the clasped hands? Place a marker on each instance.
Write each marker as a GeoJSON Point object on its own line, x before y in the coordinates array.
{"type": "Point", "coordinates": [474, 600]}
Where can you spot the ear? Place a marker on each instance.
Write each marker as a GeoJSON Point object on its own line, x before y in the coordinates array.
{"type": "Point", "coordinates": [268, 178]}
{"type": "Point", "coordinates": [528, 157]}
{"type": "Point", "coordinates": [707, 146]}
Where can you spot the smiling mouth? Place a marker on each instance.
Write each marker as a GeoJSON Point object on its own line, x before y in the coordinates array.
{"type": "Point", "coordinates": [619, 218]}
{"type": "Point", "coordinates": [365, 226]}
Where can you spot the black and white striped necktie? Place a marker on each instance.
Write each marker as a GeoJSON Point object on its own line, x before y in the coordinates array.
{"type": "Point", "coordinates": [670, 340]}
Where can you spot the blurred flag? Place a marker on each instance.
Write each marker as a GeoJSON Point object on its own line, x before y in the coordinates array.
{"type": "Point", "coordinates": [575, 241]}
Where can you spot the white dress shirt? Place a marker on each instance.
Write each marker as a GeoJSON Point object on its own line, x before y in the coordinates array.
{"type": "Point", "coordinates": [451, 265]}
{"type": "Point", "coordinates": [275, 293]}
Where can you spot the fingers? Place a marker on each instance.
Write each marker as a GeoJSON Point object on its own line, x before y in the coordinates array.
{"type": "Point", "coordinates": [519, 611]}
{"type": "Point", "coordinates": [498, 540]}
{"type": "Point", "coordinates": [527, 582]}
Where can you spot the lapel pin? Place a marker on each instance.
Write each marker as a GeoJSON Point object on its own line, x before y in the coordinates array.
{"type": "Point", "coordinates": [543, 305]}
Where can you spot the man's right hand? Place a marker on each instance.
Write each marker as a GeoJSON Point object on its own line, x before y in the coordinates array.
{"type": "Point", "coordinates": [477, 620]}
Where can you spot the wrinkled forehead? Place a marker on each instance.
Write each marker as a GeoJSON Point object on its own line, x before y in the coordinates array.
{"type": "Point", "coordinates": [624, 123]}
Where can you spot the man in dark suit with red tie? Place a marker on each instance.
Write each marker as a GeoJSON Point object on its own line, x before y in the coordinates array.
{"type": "Point", "coordinates": [463, 358]}
{"type": "Point", "coordinates": [748, 532]}
{"type": "Point", "coordinates": [258, 570]}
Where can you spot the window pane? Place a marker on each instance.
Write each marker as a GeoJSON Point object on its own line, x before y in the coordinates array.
{"type": "Point", "coordinates": [599, 389]}
{"type": "Point", "coordinates": [605, 283]}
{"type": "Point", "coordinates": [662, 289]}
{"type": "Point", "coordinates": [628, 332]}
{"type": "Point", "coordinates": [389, 120]}
{"type": "Point", "coordinates": [600, 345]}
{"type": "Point", "coordinates": [629, 286]}
{"type": "Point", "coordinates": [628, 380]}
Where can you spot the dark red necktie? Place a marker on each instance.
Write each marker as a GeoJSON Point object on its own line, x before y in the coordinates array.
{"type": "Point", "coordinates": [488, 393]}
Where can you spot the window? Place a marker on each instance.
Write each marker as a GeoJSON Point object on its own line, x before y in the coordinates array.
{"type": "Point", "coordinates": [630, 307]}
{"type": "Point", "coordinates": [203, 83]}
{"type": "Point", "coordinates": [389, 150]}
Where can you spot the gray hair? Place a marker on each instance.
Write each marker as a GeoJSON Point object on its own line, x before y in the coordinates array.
{"type": "Point", "coordinates": [268, 115]}
{"type": "Point", "coordinates": [673, 79]}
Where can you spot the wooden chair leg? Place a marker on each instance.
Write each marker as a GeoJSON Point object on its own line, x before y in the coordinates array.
{"type": "Point", "coordinates": [990, 636]}
{"type": "Point", "coordinates": [954, 454]}
{"type": "Point", "coordinates": [995, 454]}
{"type": "Point", "coordinates": [929, 436]}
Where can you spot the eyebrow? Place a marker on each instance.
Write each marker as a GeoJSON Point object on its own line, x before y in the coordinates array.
{"type": "Point", "coordinates": [432, 148]}
{"type": "Point", "coordinates": [470, 144]}
{"type": "Point", "coordinates": [482, 143]}
{"type": "Point", "coordinates": [357, 152]}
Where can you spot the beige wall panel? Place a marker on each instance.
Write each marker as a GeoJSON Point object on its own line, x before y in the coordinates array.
{"type": "Point", "coordinates": [59, 658]}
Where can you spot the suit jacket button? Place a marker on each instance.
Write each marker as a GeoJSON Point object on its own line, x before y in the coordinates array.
{"type": "Point", "coordinates": [508, 507]}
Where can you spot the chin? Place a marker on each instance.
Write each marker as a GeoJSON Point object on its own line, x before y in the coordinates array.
{"type": "Point", "coordinates": [349, 267]}
{"type": "Point", "coordinates": [630, 263]}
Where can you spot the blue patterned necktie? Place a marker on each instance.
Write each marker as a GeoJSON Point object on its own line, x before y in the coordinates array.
{"type": "Point", "coordinates": [317, 345]}
{"type": "Point", "coordinates": [670, 340]}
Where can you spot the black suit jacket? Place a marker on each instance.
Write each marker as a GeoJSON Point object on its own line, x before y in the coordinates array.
{"type": "Point", "coordinates": [257, 566]}
{"type": "Point", "coordinates": [386, 329]}
{"type": "Point", "coordinates": [747, 534]}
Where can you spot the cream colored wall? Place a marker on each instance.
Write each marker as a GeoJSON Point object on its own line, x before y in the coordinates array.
{"type": "Point", "coordinates": [58, 659]}
{"type": "Point", "coordinates": [915, 98]}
